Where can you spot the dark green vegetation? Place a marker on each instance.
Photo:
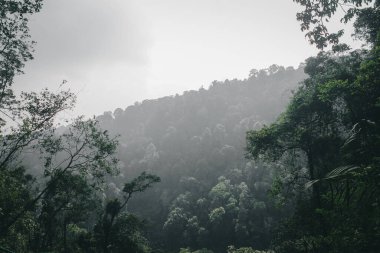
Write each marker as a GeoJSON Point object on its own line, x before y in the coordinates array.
{"type": "Point", "coordinates": [61, 208]}
{"type": "Point", "coordinates": [328, 140]}
{"type": "Point", "coordinates": [310, 180]}
{"type": "Point", "coordinates": [210, 196]}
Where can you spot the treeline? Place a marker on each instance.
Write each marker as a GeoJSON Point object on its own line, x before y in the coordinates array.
{"type": "Point", "coordinates": [328, 139]}
{"type": "Point", "coordinates": [210, 196]}
{"type": "Point", "coordinates": [67, 188]}
{"type": "Point", "coordinates": [246, 166]}
{"type": "Point", "coordinates": [52, 180]}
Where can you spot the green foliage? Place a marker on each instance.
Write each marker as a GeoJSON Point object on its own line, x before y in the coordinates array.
{"type": "Point", "coordinates": [15, 46]}
{"type": "Point", "coordinates": [327, 140]}
{"type": "Point", "coordinates": [15, 189]}
{"type": "Point", "coordinates": [117, 231]}
{"type": "Point", "coordinates": [127, 236]}
{"type": "Point", "coordinates": [187, 250]}
{"type": "Point", "coordinates": [216, 215]}
{"type": "Point", "coordinates": [195, 143]}
{"type": "Point", "coordinates": [232, 249]}
{"type": "Point", "coordinates": [316, 14]}
{"type": "Point", "coordinates": [231, 212]}
{"type": "Point", "coordinates": [55, 213]}
{"type": "Point", "coordinates": [331, 127]}
{"type": "Point", "coordinates": [141, 183]}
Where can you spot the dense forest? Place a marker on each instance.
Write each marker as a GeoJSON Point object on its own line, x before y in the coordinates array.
{"type": "Point", "coordinates": [284, 161]}
{"type": "Point", "coordinates": [196, 143]}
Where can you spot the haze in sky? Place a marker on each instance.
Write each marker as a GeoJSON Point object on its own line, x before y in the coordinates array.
{"type": "Point", "coordinates": [116, 52]}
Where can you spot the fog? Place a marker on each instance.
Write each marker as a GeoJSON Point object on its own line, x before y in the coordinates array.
{"type": "Point", "coordinates": [133, 50]}
{"type": "Point", "coordinates": [210, 126]}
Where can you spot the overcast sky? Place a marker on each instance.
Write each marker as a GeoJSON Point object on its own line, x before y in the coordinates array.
{"type": "Point", "coordinates": [116, 52]}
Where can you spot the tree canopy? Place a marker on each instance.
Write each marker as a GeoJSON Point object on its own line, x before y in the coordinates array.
{"type": "Point", "coordinates": [285, 160]}
{"type": "Point", "coordinates": [317, 13]}
{"type": "Point", "coordinates": [331, 128]}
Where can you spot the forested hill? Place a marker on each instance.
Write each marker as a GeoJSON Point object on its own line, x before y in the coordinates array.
{"type": "Point", "coordinates": [179, 181]}
{"type": "Point", "coordinates": [176, 134]}
{"type": "Point", "coordinates": [195, 141]}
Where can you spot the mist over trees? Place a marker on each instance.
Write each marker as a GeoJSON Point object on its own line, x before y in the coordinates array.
{"type": "Point", "coordinates": [196, 143]}
{"type": "Point", "coordinates": [329, 138]}
{"type": "Point", "coordinates": [286, 160]}
{"type": "Point", "coordinates": [62, 209]}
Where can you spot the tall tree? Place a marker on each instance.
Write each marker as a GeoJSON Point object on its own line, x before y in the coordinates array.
{"type": "Point", "coordinates": [317, 13]}
{"type": "Point", "coordinates": [28, 126]}
{"type": "Point", "coordinates": [15, 45]}
{"type": "Point", "coordinates": [111, 226]}
{"type": "Point", "coordinates": [331, 127]}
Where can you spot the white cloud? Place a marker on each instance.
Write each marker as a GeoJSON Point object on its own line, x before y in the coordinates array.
{"type": "Point", "coordinates": [115, 52]}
